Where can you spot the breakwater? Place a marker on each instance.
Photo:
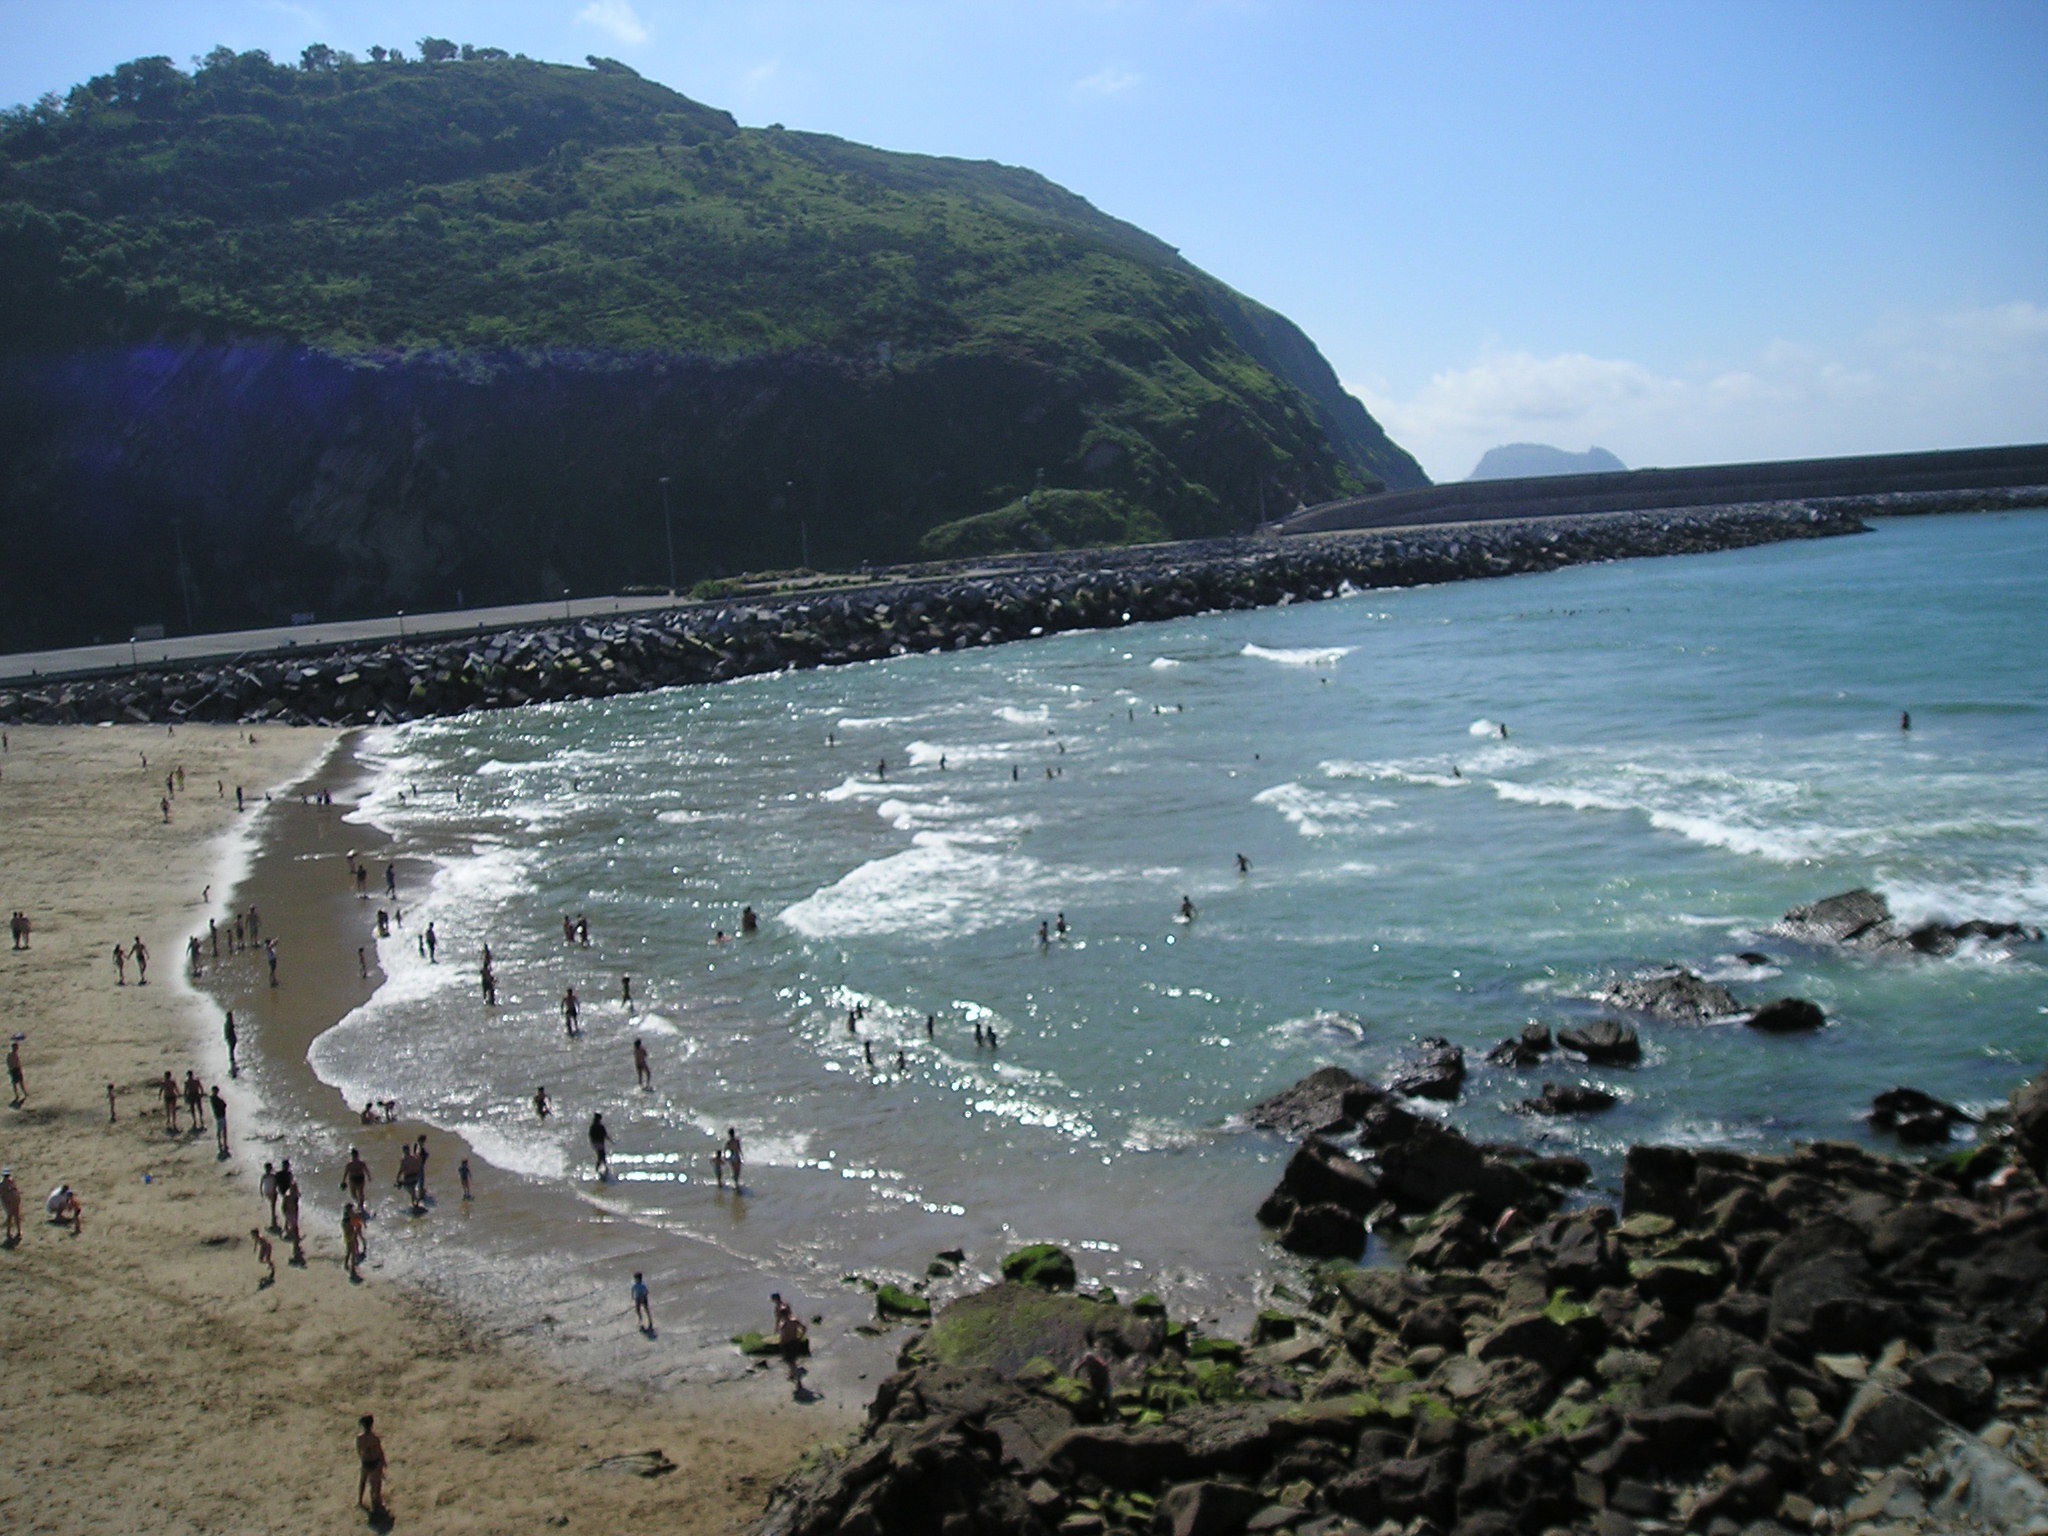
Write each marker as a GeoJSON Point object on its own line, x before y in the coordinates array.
{"type": "Point", "coordinates": [360, 685]}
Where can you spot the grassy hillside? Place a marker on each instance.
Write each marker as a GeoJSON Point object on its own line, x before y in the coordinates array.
{"type": "Point", "coordinates": [538, 228]}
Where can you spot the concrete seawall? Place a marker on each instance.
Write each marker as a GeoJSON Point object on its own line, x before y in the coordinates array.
{"type": "Point", "coordinates": [1086, 590]}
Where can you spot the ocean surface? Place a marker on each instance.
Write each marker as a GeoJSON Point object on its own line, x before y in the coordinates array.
{"type": "Point", "coordinates": [1691, 747]}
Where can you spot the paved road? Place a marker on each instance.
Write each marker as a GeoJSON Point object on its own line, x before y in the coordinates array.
{"type": "Point", "coordinates": [102, 658]}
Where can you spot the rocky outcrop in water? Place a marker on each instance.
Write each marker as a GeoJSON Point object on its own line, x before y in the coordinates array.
{"type": "Point", "coordinates": [1676, 994]}
{"type": "Point", "coordinates": [712, 643]}
{"type": "Point", "coordinates": [1819, 1340]}
{"type": "Point", "coordinates": [1862, 919]}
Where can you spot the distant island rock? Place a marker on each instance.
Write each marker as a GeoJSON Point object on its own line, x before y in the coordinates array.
{"type": "Point", "coordinates": [1519, 461]}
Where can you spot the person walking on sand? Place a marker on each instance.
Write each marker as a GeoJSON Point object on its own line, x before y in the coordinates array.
{"type": "Point", "coordinates": [17, 1081]}
{"type": "Point", "coordinates": [120, 966]}
{"type": "Point", "coordinates": [792, 1338]}
{"type": "Point", "coordinates": [139, 953]}
{"type": "Point", "coordinates": [355, 1177]}
{"type": "Point", "coordinates": [227, 1033]}
{"type": "Point", "coordinates": [168, 1088]}
{"type": "Point", "coordinates": [571, 1011]}
{"type": "Point", "coordinates": [642, 1073]}
{"type": "Point", "coordinates": [10, 1205]}
{"type": "Point", "coordinates": [370, 1458]}
{"type": "Point", "coordinates": [195, 1101]}
{"type": "Point", "coordinates": [353, 1242]}
{"type": "Point", "coordinates": [264, 1256]}
{"type": "Point", "coordinates": [113, 1113]}
{"type": "Point", "coordinates": [643, 1314]}
{"type": "Point", "coordinates": [266, 1186]}
{"type": "Point", "coordinates": [601, 1146]}
{"type": "Point", "coordinates": [270, 954]}
{"type": "Point", "coordinates": [220, 1120]}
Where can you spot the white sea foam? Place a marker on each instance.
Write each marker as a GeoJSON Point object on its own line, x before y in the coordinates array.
{"type": "Point", "coordinates": [1317, 813]}
{"type": "Point", "coordinates": [2018, 897]}
{"type": "Point", "coordinates": [532, 1153]}
{"type": "Point", "coordinates": [1016, 716]}
{"type": "Point", "coordinates": [1392, 772]}
{"type": "Point", "coordinates": [1164, 663]}
{"type": "Point", "coordinates": [1308, 656]}
{"type": "Point", "coordinates": [1483, 727]}
{"type": "Point", "coordinates": [936, 889]}
{"type": "Point", "coordinates": [926, 754]}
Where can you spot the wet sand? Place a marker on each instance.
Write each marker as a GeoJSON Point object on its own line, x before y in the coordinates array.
{"type": "Point", "coordinates": [149, 1379]}
{"type": "Point", "coordinates": [526, 1258]}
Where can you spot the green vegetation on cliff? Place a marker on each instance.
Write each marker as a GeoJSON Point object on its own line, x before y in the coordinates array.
{"type": "Point", "coordinates": [486, 217]}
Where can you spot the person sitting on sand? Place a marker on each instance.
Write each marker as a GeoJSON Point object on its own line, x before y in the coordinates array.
{"type": "Point", "coordinates": [66, 1209]}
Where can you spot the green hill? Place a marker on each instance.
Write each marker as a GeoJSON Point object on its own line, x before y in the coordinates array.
{"type": "Point", "coordinates": [429, 328]}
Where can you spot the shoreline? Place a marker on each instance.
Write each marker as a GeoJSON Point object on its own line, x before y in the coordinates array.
{"type": "Point", "coordinates": [487, 1267]}
{"type": "Point", "coordinates": [152, 1380]}
{"type": "Point", "coordinates": [1092, 589]}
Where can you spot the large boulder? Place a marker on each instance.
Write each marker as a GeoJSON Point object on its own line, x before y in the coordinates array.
{"type": "Point", "coordinates": [1433, 1163]}
{"type": "Point", "coordinates": [1604, 1043]}
{"type": "Point", "coordinates": [1321, 1173]}
{"type": "Point", "coordinates": [1327, 1101]}
{"type": "Point", "coordinates": [1437, 1072]}
{"type": "Point", "coordinates": [1788, 1016]}
{"type": "Point", "coordinates": [1041, 1264]}
{"type": "Point", "coordinates": [1324, 1231]}
{"type": "Point", "coordinates": [1676, 994]}
{"type": "Point", "coordinates": [1570, 1099]}
{"type": "Point", "coordinates": [1208, 1508]}
{"type": "Point", "coordinates": [1914, 1117]}
{"type": "Point", "coordinates": [1862, 919]}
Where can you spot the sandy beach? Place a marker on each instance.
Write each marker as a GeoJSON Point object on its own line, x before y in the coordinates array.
{"type": "Point", "coordinates": [150, 1379]}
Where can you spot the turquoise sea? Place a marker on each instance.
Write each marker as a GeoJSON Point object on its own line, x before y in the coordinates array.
{"type": "Point", "coordinates": [1692, 746]}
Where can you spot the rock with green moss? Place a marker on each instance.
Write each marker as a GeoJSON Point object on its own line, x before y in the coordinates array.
{"type": "Point", "coordinates": [1042, 1264]}
{"type": "Point", "coordinates": [894, 1301]}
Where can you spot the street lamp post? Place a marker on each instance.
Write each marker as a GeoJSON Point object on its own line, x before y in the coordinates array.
{"type": "Point", "coordinates": [566, 614]}
{"type": "Point", "coordinates": [668, 524]}
{"type": "Point", "coordinates": [401, 623]}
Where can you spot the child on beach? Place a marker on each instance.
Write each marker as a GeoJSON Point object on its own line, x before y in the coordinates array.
{"type": "Point", "coordinates": [265, 1257]}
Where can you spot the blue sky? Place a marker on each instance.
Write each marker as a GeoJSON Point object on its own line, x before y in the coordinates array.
{"type": "Point", "coordinates": [1684, 231]}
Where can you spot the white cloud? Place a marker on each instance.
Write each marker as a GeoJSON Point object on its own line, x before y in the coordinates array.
{"type": "Point", "coordinates": [1969, 378]}
{"type": "Point", "coordinates": [1108, 81]}
{"type": "Point", "coordinates": [616, 17]}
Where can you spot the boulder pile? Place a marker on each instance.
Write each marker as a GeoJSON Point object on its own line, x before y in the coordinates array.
{"type": "Point", "coordinates": [1819, 1340]}
{"type": "Point", "coordinates": [1097, 589]}
{"type": "Point", "coordinates": [1862, 919]}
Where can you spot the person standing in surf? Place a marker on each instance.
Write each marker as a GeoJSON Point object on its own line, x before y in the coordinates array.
{"type": "Point", "coordinates": [601, 1146]}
